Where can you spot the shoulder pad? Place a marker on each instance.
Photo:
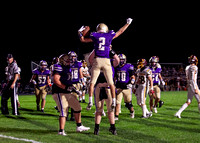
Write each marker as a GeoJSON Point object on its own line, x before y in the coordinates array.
{"type": "Point", "coordinates": [58, 67]}
{"type": "Point", "coordinates": [35, 71]}
{"type": "Point", "coordinates": [158, 65]}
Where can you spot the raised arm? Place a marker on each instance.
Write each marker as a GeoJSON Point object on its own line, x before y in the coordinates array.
{"type": "Point", "coordinates": [121, 30]}
{"type": "Point", "coordinates": [82, 38]}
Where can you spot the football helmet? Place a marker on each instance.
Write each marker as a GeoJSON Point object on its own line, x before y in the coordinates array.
{"type": "Point", "coordinates": [64, 59]}
{"type": "Point", "coordinates": [193, 59]}
{"type": "Point", "coordinates": [141, 63]}
{"type": "Point", "coordinates": [153, 61]}
{"type": "Point", "coordinates": [122, 58]}
{"type": "Point", "coordinates": [43, 65]}
{"type": "Point", "coordinates": [55, 60]}
{"type": "Point", "coordinates": [102, 28]}
{"type": "Point", "coordinates": [72, 56]}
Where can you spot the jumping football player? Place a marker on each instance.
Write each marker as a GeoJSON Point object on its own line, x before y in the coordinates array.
{"type": "Point", "coordinates": [143, 79]}
{"type": "Point", "coordinates": [102, 40]}
{"type": "Point", "coordinates": [41, 79]}
{"type": "Point", "coordinates": [63, 94]}
{"type": "Point", "coordinates": [124, 81]}
{"type": "Point", "coordinates": [157, 79]}
{"type": "Point", "coordinates": [193, 89]}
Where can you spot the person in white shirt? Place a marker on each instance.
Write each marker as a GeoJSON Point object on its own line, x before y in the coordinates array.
{"type": "Point", "coordinates": [193, 89]}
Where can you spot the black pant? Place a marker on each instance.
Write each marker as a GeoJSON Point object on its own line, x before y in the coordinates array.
{"type": "Point", "coordinates": [6, 94]}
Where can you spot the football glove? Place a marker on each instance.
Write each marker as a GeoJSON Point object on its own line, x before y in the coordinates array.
{"type": "Point", "coordinates": [129, 20]}
{"type": "Point", "coordinates": [81, 29]}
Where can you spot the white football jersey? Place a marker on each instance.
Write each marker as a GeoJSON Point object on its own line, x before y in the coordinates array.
{"type": "Point", "coordinates": [84, 70]}
{"type": "Point", "coordinates": [191, 75]}
{"type": "Point", "coordinates": [142, 76]}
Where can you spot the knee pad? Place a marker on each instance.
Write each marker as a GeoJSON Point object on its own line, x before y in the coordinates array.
{"type": "Point", "coordinates": [77, 111]}
{"type": "Point", "coordinates": [129, 105]}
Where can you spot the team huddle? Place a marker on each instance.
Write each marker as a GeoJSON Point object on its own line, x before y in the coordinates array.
{"type": "Point", "coordinates": [109, 80]}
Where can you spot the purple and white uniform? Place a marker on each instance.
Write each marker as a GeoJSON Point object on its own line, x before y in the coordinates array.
{"type": "Point", "coordinates": [123, 75]}
{"type": "Point", "coordinates": [75, 75]}
{"type": "Point", "coordinates": [155, 72]}
{"type": "Point", "coordinates": [41, 77]}
{"type": "Point", "coordinates": [102, 42]}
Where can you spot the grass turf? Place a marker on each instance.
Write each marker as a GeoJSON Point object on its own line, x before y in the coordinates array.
{"type": "Point", "coordinates": [161, 127]}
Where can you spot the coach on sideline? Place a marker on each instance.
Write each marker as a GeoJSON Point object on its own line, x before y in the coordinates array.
{"type": "Point", "coordinates": [9, 90]}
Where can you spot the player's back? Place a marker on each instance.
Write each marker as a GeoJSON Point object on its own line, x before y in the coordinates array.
{"type": "Point", "coordinates": [191, 73]}
{"type": "Point", "coordinates": [102, 42]}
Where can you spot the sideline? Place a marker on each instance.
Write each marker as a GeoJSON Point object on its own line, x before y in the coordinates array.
{"type": "Point", "coordinates": [19, 139]}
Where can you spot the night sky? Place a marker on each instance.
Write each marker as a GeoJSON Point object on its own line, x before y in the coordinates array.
{"type": "Point", "coordinates": [34, 33]}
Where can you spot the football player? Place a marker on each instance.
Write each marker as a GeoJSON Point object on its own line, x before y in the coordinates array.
{"type": "Point", "coordinates": [76, 75]}
{"type": "Point", "coordinates": [102, 93]}
{"type": "Point", "coordinates": [102, 40]}
{"type": "Point", "coordinates": [86, 78]}
{"type": "Point", "coordinates": [193, 89]}
{"type": "Point", "coordinates": [63, 94]}
{"type": "Point", "coordinates": [143, 79]}
{"type": "Point", "coordinates": [157, 79]}
{"type": "Point", "coordinates": [124, 80]}
{"type": "Point", "coordinates": [41, 79]}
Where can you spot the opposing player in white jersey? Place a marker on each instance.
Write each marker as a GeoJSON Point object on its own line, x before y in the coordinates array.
{"type": "Point", "coordinates": [143, 79]}
{"type": "Point", "coordinates": [193, 90]}
{"type": "Point", "coordinates": [86, 77]}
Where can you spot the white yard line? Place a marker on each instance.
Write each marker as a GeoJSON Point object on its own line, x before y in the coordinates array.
{"type": "Point", "coordinates": [19, 139]}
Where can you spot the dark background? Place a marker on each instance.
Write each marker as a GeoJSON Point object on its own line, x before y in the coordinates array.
{"type": "Point", "coordinates": [35, 32]}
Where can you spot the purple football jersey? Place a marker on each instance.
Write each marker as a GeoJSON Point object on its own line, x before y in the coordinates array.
{"type": "Point", "coordinates": [123, 75]}
{"type": "Point", "coordinates": [102, 42]}
{"type": "Point", "coordinates": [75, 75]}
{"type": "Point", "coordinates": [65, 77]}
{"type": "Point", "coordinates": [41, 77]}
{"type": "Point", "coordinates": [155, 73]}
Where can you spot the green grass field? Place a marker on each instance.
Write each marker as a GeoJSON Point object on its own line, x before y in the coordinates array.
{"type": "Point", "coordinates": [161, 127]}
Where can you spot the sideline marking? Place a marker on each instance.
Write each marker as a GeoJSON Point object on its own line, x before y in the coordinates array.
{"type": "Point", "coordinates": [19, 139]}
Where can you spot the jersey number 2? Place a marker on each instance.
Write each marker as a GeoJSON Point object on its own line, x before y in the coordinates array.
{"type": "Point", "coordinates": [102, 43]}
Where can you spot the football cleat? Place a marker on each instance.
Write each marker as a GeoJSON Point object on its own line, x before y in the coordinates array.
{"type": "Point", "coordinates": [116, 118]}
{"type": "Point", "coordinates": [155, 110]}
{"type": "Point", "coordinates": [113, 131]}
{"type": "Point", "coordinates": [132, 115]}
{"type": "Point", "coordinates": [161, 103]}
{"type": "Point", "coordinates": [82, 128]}
{"type": "Point", "coordinates": [62, 133]}
{"type": "Point", "coordinates": [89, 106]}
{"type": "Point", "coordinates": [177, 115]}
{"type": "Point", "coordinates": [144, 117]}
{"type": "Point", "coordinates": [149, 114]}
{"type": "Point", "coordinates": [96, 131]}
